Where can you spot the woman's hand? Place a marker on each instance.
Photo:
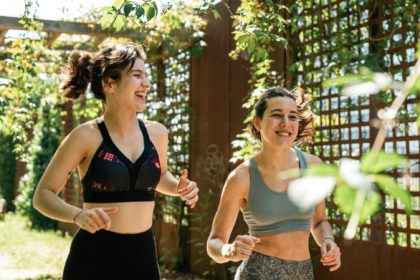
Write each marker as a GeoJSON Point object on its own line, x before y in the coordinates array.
{"type": "Point", "coordinates": [330, 254]}
{"type": "Point", "coordinates": [95, 219]}
{"type": "Point", "coordinates": [241, 248]}
{"type": "Point", "coordinates": [187, 190]}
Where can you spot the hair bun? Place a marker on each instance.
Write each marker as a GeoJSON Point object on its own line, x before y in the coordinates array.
{"type": "Point", "coordinates": [77, 74]}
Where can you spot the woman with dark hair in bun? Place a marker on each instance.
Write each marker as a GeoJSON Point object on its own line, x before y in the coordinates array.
{"type": "Point", "coordinates": [121, 161]}
{"type": "Point", "coordinates": [277, 244]}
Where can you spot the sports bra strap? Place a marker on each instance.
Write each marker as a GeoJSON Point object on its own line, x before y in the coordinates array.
{"type": "Point", "coordinates": [302, 159]}
{"type": "Point", "coordinates": [107, 138]}
{"type": "Point", "coordinates": [144, 131]}
{"type": "Point", "coordinates": [104, 131]}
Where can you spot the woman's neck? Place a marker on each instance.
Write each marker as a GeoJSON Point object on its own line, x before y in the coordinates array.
{"type": "Point", "coordinates": [119, 121]}
{"type": "Point", "coordinates": [275, 157]}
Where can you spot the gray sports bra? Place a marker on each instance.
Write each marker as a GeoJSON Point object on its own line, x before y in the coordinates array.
{"type": "Point", "coordinates": [269, 212]}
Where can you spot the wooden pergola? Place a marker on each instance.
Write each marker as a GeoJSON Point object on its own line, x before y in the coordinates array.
{"type": "Point", "coordinates": [53, 29]}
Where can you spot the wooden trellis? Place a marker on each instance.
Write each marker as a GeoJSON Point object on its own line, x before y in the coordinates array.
{"type": "Point", "coordinates": [381, 32]}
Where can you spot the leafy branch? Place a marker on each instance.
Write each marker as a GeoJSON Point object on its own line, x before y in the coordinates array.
{"type": "Point", "coordinates": [139, 13]}
{"type": "Point", "coordinates": [357, 183]}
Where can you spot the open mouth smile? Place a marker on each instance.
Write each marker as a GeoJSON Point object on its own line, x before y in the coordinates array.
{"type": "Point", "coordinates": [283, 133]}
{"type": "Point", "coordinates": [141, 95]}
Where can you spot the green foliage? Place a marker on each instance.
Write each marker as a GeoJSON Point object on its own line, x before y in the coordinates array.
{"type": "Point", "coordinates": [244, 146]}
{"type": "Point", "coordinates": [346, 198]}
{"type": "Point", "coordinates": [356, 199]}
{"type": "Point", "coordinates": [349, 79]}
{"type": "Point", "coordinates": [394, 189]}
{"type": "Point", "coordinates": [47, 136]}
{"type": "Point", "coordinates": [26, 64]}
{"type": "Point", "coordinates": [7, 171]}
{"type": "Point", "coordinates": [323, 170]}
{"type": "Point", "coordinates": [258, 27]}
{"type": "Point", "coordinates": [21, 95]}
{"type": "Point", "coordinates": [117, 15]}
{"type": "Point", "coordinates": [177, 29]}
{"type": "Point", "coordinates": [345, 194]}
{"type": "Point", "coordinates": [379, 161]}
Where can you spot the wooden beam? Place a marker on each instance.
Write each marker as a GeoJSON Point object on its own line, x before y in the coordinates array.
{"type": "Point", "coordinates": [2, 35]}
{"type": "Point", "coordinates": [12, 23]}
{"type": "Point", "coordinates": [51, 37]}
{"type": "Point", "coordinates": [99, 40]}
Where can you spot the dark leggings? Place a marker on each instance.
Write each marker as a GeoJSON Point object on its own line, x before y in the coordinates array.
{"type": "Point", "coordinates": [110, 255]}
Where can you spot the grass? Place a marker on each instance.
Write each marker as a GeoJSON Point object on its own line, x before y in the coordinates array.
{"type": "Point", "coordinates": [30, 254]}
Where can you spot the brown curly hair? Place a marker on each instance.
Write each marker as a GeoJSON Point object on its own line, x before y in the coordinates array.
{"type": "Point", "coordinates": [306, 131]}
{"type": "Point", "coordinates": [84, 68]}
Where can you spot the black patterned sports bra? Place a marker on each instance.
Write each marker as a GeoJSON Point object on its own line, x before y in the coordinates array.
{"type": "Point", "coordinates": [112, 177]}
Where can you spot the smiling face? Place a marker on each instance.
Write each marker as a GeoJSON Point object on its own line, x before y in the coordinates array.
{"type": "Point", "coordinates": [131, 90]}
{"type": "Point", "coordinates": [279, 124]}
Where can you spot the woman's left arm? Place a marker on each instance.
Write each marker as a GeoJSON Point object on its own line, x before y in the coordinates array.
{"type": "Point", "coordinates": [322, 232]}
{"type": "Point", "coordinates": [324, 237]}
{"type": "Point", "coordinates": [168, 184]}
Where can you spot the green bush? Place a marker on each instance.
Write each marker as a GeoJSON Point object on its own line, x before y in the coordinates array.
{"type": "Point", "coordinates": [7, 170]}
{"type": "Point", "coordinates": [46, 141]}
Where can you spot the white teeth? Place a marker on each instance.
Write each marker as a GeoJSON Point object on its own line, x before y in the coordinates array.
{"type": "Point", "coordinates": [283, 133]}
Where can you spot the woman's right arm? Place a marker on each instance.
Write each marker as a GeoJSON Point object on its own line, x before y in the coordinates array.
{"type": "Point", "coordinates": [69, 154]}
{"type": "Point", "coordinates": [233, 195]}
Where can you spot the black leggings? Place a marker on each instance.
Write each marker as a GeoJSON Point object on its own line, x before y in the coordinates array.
{"type": "Point", "coordinates": [110, 255]}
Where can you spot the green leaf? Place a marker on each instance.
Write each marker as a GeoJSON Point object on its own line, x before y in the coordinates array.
{"type": "Point", "coordinates": [418, 114]}
{"type": "Point", "coordinates": [415, 89]}
{"type": "Point", "coordinates": [216, 14]}
{"type": "Point", "coordinates": [283, 7]}
{"type": "Point", "coordinates": [139, 12]}
{"type": "Point", "coordinates": [196, 50]}
{"type": "Point", "coordinates": [118, 3]}
{"type": "Point", "coordinates": [251, 45]}
{"type": "Point", "coordinates": [345, 80]}
{"type": "Point", "coordinates": [106, 9]}
{"type": "Point", "coordinates": [106, 20]}
{"type": "Point", "coordinates": [290, 174]}
{"type": "Point", "coordinates": [128, 7]}
{"type": "Point", "coordinates": [150, 14]}
{"type": "Point", "coordinates": [119, 23]}
{"type": "Point", "coordinates": [323, 170]}
{"type": "Point", "coordinates": [345, 196]}
{"type": "Point", "coordinates": [379, 161]}
{"type": "Point", "coordinates": [371, 206]}
{"type": "Point", "coordinates": [391, 187]}
{"type": "Point", "coordinates": [155, 6]}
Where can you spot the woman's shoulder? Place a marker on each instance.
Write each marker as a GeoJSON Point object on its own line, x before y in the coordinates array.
{"type": "Point", "coordinates": [155, 128]}
{"type": "Point", "coordinates": [87, 133]}
{"type": "Point", "coordinates": [240, 175]}
{"type": "Point", "coordinates": [312, 159]}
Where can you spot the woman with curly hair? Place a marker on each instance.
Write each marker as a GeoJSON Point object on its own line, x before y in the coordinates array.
{"type": "Point", "coordinates": [121, 161]}
{"type": "Point", "coordinates": [277, 244]}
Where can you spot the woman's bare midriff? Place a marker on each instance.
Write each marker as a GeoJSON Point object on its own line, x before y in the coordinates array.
{"type": "Point", "coordinates": [131, 217]}
{"type": "Point", "coordinates": [288, 246]}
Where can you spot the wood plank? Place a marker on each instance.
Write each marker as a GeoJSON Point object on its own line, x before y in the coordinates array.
{"type": "Point", "coordinates": [12, 23]}
{"type": "Point", "coordinates": [209, 148]}
{"type": "Point", "coordinates": [51, 37]}
{"type": "Point", "coordinates": [2, 35]}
